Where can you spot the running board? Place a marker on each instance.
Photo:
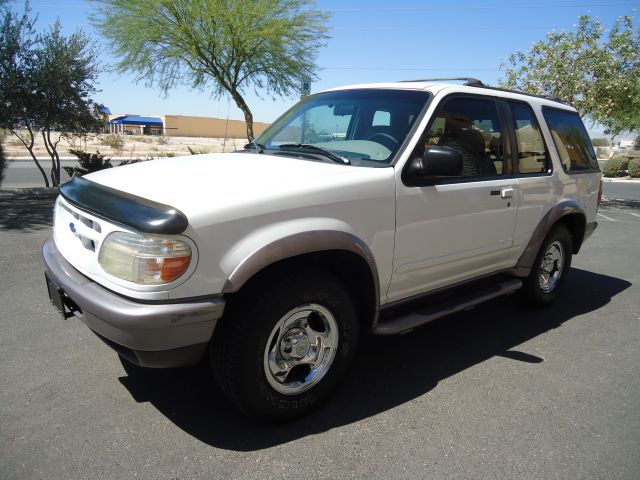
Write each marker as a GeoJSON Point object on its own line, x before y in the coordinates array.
{"type": "Point", "coordinates": [412, 320]}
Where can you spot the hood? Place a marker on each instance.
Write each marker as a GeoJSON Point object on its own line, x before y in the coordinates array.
{"type": "Point", "coordinates": [233, 184]}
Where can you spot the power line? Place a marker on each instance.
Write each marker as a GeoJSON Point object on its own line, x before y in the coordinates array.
{"type": "Point", "coordinates": [439, 8]}
{"type": "Point", "coordinates": [481, 7]}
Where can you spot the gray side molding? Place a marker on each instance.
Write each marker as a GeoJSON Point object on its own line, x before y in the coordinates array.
{"type": "Point", "coordinates": [525, 262]}
{"type": "Point", "coordinates": [299, 244]}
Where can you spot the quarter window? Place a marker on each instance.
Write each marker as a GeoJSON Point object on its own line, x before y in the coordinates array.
{"type": "Point", "coordinates": [532, 154]}
{"type": "Point", "coordinates": [571, 140]}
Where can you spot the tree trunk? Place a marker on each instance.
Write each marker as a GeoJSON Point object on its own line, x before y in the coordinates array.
{"type": "Point", "coordinates": [55, 158]}
{"type": "Point", "coordinates": [248, 116]}
{"type": "Point", "coordinates": [29, 147]}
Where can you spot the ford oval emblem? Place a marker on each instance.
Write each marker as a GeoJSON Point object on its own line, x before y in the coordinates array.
{"type": "Point", "coordinates": [72, 227]}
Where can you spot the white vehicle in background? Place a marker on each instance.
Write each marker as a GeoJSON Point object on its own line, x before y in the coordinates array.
{"type": "Point", "coordinates": [355, 206]}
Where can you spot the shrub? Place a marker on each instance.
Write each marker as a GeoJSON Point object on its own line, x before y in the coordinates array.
{"type": "Point", "coordinates": [89, 162]}
{"type": "Point", "coordinates": [636, 143]}
{"type": "Point", "coordinates": [3, 161]}
{"type": "Point", "coordinates": [616, 167]}
{"type": "Point", "coordinates": [162, 141]}
{"type": "Point", "coordinates": [600, 142]}
{"type": "Point", "coordinates": [634, 167]}
{"type": "Point", "coordinates": [193, 151]}
{"type": "Point", "coordinates": [130, 161]}
{"type": "Point", "coordinates": [114, 141]}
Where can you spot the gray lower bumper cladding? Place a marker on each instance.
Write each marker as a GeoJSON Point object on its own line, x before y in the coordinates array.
{"type": "Point", "coordinates": [150, 335]}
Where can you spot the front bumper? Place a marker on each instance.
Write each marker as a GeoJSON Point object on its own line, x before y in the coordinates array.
{"type": "Point", "coordinates": [147, 334]}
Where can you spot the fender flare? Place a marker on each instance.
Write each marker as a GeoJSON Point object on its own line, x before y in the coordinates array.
{"type": "Point", "coordinates": [528, 257]}
{"type": "Point", "coordinates": [299, 244]}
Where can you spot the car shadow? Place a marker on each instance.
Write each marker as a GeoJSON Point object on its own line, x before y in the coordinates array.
{"type": "Point", "coordinates": [410, 366]}
{"type": "Point", "coordinates": [22, 211]}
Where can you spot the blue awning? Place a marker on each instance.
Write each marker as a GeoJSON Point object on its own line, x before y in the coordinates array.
{"type": "Point", "coordinates": [132, 120]}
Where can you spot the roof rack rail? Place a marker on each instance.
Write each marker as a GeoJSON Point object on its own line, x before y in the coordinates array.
{"type": "Point", "coordinates": [469, 81]}
{"type": "Point", "coordinates": [474, 82]}
{"type": "Point", "coordinates": [548, 97]}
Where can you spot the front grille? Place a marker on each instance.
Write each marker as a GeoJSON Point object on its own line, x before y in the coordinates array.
{"type": "Point", "coordinates": [87, 236]}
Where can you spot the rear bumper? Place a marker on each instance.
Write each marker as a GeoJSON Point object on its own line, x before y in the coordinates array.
{"type": "Point", "coordinates": [150, 335]}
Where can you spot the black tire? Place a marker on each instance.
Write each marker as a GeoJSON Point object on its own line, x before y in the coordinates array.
{"type": "Point", "coordinates": [243, 364]}
{"type": "Point", "coordinates": [549, 273]}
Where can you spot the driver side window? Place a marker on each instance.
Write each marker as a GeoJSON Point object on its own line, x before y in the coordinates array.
{"type": "Point", "coordinates": [470, 126]}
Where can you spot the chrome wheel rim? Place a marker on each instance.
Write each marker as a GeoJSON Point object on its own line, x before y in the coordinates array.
{"type": "Point", "coordinates": [551, 267]}
{"type": "Point", "coordinates": [300, 349]}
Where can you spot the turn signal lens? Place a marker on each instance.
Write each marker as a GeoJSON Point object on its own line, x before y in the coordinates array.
{"type": "Point", "coordinates": [143, 259]}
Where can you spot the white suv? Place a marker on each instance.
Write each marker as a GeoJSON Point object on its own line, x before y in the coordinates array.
{"type": "Point", "coordinates": [357, 204]}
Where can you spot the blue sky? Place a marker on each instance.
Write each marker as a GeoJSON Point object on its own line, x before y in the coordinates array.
{"type": "Point", "coordinates": [372, 40]}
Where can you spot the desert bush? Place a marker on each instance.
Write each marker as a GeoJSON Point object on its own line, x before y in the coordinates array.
{"type": "Point", "coordinates": [636, 143]}
{"type": "Point", "coordinates": [3, 160]}
{"type": "Point", "coordinates": [88, 163]}
{"type": "Point", "coordinates": [600, 142]}
{"type": "Point", "coordinates": [616, 167]}
{"type": "Point", "coordinates": [193, 151]}
{"type": "Point", "coordinates": [130, 161]}
{"type": "Point", "coordinates": [162, 140]}
{"type": "Point", "coordinates": [114, 141]}
{"type": "Point", "coordinates": [634, 168]}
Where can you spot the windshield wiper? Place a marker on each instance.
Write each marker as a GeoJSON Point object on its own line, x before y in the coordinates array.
{"type": "Point", "coordinates": [258, 147]}
{"type": "Point", "coordinates": [327, 153]}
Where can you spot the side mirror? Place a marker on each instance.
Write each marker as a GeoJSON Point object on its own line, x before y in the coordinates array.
{"type": "Point", "coordinates": [437, 162]}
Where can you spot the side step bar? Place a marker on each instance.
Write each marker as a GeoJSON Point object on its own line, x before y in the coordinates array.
{"type": "Point", "coordinates": [412, 320]}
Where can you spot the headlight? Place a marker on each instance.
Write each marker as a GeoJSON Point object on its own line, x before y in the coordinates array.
{"type": "Point", "coordinates": [142, 259]}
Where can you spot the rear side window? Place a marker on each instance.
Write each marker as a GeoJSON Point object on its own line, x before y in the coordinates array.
{"type": "Point", "coordinates": [532, 154]}
{"type": "Point", "coordinates": [571, 140]}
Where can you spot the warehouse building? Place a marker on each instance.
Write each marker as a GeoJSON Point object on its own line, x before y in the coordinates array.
{"type": "Point", "coordinates": [180, 126]}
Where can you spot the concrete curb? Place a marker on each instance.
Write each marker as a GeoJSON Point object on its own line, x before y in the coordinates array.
{"type": "Point", "coordinates": [621, 180]}
{"type": "Point", "coordinates": [40, 192]}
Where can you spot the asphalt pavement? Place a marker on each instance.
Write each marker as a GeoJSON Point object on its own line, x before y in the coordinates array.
{"type": "Point", "coordinates": [494, 392]}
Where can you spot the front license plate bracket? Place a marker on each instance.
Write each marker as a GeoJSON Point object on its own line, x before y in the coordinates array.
{"type": "Point", "coordinates": [58, 298]}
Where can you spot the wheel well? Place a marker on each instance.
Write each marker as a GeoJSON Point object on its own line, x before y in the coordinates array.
{"type": "Point", "coordinates": [347, 266]}
{"type": "Point", "coordinates": [575, 223]}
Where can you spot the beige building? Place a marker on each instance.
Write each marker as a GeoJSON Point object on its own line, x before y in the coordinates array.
{"type": "Point", "coordinates": [180, 126]}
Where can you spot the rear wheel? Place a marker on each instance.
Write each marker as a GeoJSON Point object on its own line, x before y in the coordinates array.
{"type": "Point", "coordinates": [284, 346]}
{"type": "Point", "coordinates": [549, 272]}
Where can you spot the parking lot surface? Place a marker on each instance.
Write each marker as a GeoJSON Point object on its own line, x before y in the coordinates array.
{"type": "Point", "coordinates": [494, 392]}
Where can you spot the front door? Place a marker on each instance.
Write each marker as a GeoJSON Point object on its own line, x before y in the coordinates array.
{"type": "Point", "coordinates": [456, 228]}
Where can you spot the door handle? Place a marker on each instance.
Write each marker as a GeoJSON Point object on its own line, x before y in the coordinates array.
{"type": "Point", "coordinates": [506, 192]}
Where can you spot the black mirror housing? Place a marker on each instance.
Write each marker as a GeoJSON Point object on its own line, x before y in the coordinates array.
{"type": "Point", "coordinates": [436, 163]}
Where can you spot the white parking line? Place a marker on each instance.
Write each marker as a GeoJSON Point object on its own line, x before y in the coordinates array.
{"type": "Point", "coordinates": [608, 218]}
{"type": "Point", "coordinates": [634, 214]}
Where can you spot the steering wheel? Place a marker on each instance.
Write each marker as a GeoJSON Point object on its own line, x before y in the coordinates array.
{"type": "Point", "coordinates": [384, 139]}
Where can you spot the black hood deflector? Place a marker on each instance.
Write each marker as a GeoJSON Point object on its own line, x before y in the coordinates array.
{"type": "Point", "coordinates": [117, 206]}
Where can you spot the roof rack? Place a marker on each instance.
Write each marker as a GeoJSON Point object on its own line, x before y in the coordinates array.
{"type": "Point", "coordinates": [469, 81]}
{"type": "Point", "coordinates": [474, 82]}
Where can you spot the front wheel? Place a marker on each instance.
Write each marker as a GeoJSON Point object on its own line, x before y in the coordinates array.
{"type": "Point", "coordinates": [284, 347]}
{"type": "Point", "coordinates": [549, 272]}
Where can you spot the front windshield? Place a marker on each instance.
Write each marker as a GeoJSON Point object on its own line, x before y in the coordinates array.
{"type": "Point", "coordinates": [364, 126]}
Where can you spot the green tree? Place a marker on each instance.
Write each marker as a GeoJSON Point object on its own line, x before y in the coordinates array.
{"type": "Point", "coordinates": [596, 71]}
{"type": "Point", "coordinates": [226, 45]}
{"type": "Point", "coordinates": [600, 142]}
{"type": "Point", "coordinates": [47, 81]}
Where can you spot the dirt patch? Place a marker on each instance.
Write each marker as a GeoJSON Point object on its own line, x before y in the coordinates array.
{"type": "Point", "coordinates": [128, 146]}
